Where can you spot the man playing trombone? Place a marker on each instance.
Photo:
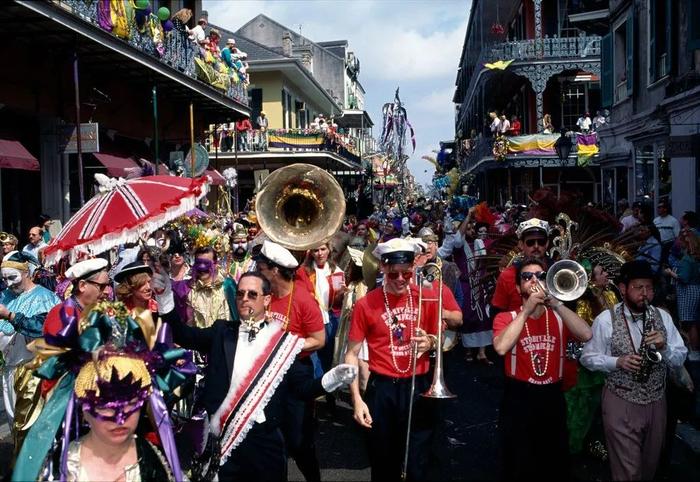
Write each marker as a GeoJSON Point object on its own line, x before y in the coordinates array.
{"type": "Point", "coordinates": [388, 318]}
{"type": "Point", "coordinates": [533, 411]}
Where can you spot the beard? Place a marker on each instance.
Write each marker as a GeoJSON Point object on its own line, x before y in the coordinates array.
{"type": "Point", "coordinates": [240, 252]}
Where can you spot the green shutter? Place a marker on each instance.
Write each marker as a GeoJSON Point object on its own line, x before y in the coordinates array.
{"type": "Point", "coordinates": [629, 43]}
{"type": "Point", "coordinates": [652, 41]}
{"type": "Point", "coordinates": [606, 70]}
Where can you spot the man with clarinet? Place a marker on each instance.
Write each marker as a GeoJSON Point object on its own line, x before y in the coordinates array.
{"type": "Point", "coordinates": [634, 343]}
{"type": "Point", "coordinates": [392, 319]}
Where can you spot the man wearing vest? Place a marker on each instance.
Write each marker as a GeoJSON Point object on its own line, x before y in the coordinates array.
{"type": "Point", "coordinates": [533, 412]}
{"type": "Point", "coordinates": [634, 403]}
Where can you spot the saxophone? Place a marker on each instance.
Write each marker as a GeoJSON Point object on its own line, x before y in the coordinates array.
{"type": "Point", "coordinates": [648, 352]}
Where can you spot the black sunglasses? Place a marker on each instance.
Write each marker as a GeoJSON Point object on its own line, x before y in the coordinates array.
{"type": "Point", "coordinates": [252, 295]}
{"type": "Point", "coordinates": [539, 241]}
{"type": "Point", "coordinates": [100, 286]}
{"type": "Point", "coordinates": [527, 275]}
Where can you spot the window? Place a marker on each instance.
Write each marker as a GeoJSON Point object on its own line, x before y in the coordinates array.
{"type": "Point", "coordinates": [660, 39]}
{"type": "Point", "coordinates": [623, 58]}
{"type": "Point", "coordinates": [652, 173]}
{"type": "Point", "coordinates": [693, 15]}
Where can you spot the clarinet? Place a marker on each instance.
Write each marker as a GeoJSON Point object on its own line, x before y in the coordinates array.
{"type": "Point", "coordinates": [648, 352]}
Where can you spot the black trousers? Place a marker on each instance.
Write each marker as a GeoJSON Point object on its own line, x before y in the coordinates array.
{"type": "Point", "coordinates": [299, 429]}
{"type": "Point", "coordinates": [388, 400]}
{"type": "Point", "coordinates": [534, 438]}
{"type": "Point", "coordinates": [260, 457]}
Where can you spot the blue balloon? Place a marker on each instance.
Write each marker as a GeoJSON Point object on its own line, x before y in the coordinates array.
{"type": "Point", "coordinates": [168, 26]}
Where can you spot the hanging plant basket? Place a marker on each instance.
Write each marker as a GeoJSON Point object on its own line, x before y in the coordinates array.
{"type": "Point", "coordinates": [498, 30]}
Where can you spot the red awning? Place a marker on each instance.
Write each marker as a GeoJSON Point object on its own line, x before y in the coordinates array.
{"type": "Point", "coordinates": [216, 178]}
{"type": "Point", "coordinates": [116, 166]}
{"type": "Point", "coordinates": [13, 155]}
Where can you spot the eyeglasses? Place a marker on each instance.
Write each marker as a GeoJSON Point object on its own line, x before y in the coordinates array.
{"type": "Point", "coordinates": [539, 241]}
{"type": "Point", "coordinates": [527, 275]}
{"type": "Point", "coordinates": [405, 275]}
{"type": "Point", "coordinates": [100, 286]}
{"type": "Point", "coordinates": [252, 295]}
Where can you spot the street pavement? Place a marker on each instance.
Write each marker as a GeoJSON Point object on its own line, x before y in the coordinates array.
{"type": "Point", "coordinates": [467, 448]}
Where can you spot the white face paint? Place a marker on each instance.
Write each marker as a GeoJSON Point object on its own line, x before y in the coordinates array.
{"type": "Point", "coordinates": [11, 276]}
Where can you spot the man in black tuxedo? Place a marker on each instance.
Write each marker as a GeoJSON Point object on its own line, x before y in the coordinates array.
{"type": "Point", "coordinates": [251, 371]}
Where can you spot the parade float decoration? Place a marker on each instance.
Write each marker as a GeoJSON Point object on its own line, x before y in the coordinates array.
{"type": "Point", "coordinates": [500, 148]}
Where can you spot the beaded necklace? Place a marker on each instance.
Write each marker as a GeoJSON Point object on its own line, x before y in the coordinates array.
{"type": "Point", "coordinates": [397, 328]}
{"type": "Point", "coordinates": [535, 358]}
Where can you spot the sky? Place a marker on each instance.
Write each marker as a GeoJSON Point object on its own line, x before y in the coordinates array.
{"type": "Point", "coordinates": [411, 44]}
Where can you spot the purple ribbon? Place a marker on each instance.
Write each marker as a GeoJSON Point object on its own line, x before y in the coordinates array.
{"type": "Point", "coordinates": [67, 421]}
{"type": "Point", "coordinates": [165, 432]}
{"type": "Point", "coordinates": [68, 334]}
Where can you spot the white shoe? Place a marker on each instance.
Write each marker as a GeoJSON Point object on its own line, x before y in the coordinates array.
{"type": "Point", "coordinates": [694, 356]}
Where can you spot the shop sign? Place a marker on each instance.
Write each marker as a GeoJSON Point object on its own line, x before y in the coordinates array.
{"type": "Point", "coordinates": [89, 138]}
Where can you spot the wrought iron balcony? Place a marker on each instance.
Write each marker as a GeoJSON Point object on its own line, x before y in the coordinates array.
{"type": "Point", "coordinates": [175, 49]}
{"type": "Point", "coordinates": [546, 49]}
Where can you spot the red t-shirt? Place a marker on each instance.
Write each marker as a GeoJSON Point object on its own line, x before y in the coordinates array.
{"type": "Point", "coordinates": [304, 314]}
{"type": "Point", "coordinates": [506, 296]}
{"type": "Point", "coordinates": [449, 302]}
{"type": "Point", "coordinates": [519, 361]}
{"type": "Point", "coordinates": [371, 322]}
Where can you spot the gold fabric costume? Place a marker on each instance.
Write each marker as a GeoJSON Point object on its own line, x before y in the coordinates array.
{"type": "Point", "coordinates": [356, 290]}
{"type": "Point", "coordinates": [208, 302]}
{"type": "Point", "coordinates": [28, 404]}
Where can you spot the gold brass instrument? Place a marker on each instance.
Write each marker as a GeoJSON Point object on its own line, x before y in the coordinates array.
{"type": "Point", "coordinates": [649, 354]}
{"type": "Point", "coordinates": [300, 206]}
{"type": "Point", "coordinates": [566, 280]}
{"type": "Point", "coordinates": [7, 238]}
{"type": "Point", "coordinates": [438, 388]}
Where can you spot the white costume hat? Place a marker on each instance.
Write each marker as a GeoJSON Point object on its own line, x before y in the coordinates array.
{"type": "Point", "coordinates": [532, 224]}
{"type": "Point", "coordinates": [278, 255]}
{"type": "Point", "coordinates": [396, 251]}
{"type": "Point", "coordinates": [87, 268]}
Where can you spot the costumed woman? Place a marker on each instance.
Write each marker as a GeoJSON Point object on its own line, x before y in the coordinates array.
{"type": "Point", "coordinates": [467, 246]}
{"type": "Point", "coordinates": [23, 309]}
{"type": "Point", "coordinates": [108, 365]}
{"type": "Point", "coordinates": [583, 399]}
{"type": "Point", "coordinates": [134, 289]}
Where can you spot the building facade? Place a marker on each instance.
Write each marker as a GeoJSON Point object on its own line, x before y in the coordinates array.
{"type": "Point", "coordinates": [129, 79]}
{"type": "Point", "coordinates": [651, 85]}
{"type": "Point", "coordinates": [532, 59]}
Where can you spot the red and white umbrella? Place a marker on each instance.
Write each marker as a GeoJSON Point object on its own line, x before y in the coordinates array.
{"type": "Point", "coordinates": [123, 211]}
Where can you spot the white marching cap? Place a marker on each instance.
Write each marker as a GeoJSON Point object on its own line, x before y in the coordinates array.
{"type": "Point", "coordinates": [396, 251]}
{"type": "Point", "coordinates": [87, 268]}
{"type": "Point", "coordinates": [278, 255]}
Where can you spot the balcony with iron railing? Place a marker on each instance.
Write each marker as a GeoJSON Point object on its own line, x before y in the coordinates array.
{"type": "Point", "coordinates": [293, 141]}
{"type": "Point", "coordinates": [547, 49]}
{"type": "Point", "coordinates": [173, 47]}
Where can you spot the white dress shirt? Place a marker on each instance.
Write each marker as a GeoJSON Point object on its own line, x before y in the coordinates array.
{"type": "Point", "coordinates": [597, 354]}
{"type": "Point", "coordinates": [246, 353]}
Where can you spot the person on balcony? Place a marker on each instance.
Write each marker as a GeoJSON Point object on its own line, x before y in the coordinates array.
{"type": "Point", "coordinates": [515, 126]}
{"type": "Point", "coordinates": [197, 34]}
{"type": "Point", "coordinates": [243, 130]}
{"type": "Point", "coordinates": [495, 123]}
{"type": "Point", "coordinates": [263, 124]}
{"type": "Point", "coordinates": [584, 123]}
{"type": "Point", "coordinates": [227, 53]}
{"type": "Point", "coordinates": [504, 127]}
{"type": "Point", "coordinates": [547, 124]}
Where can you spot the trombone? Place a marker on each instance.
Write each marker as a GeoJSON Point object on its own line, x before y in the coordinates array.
{"type": "Point", "coordinates": [438, 389]}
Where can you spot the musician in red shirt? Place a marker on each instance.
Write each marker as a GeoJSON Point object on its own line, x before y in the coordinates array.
{"type": "Point", "coordinates": [387, 317]}
{"type": "Point", "coordinates": [533, 411]}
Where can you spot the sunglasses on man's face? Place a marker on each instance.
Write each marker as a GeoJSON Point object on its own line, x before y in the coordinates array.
{"type": "Point", "coordinates": [405, 275]}
{"type": "Point", "coordinates": [527, 275]}
{"type": "Point", "coordinates": [252, 295]}
{"type": "Point", "coordinates": [532, 241]}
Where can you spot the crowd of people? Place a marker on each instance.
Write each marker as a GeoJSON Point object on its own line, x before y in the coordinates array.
{"type": "Point", "coordinates": [210, 325]}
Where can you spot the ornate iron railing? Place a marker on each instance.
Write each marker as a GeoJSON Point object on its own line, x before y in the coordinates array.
{"type": "Point", "coordinates": [546, 49]}
{"type": "Point", "coordinates": [176, 49]}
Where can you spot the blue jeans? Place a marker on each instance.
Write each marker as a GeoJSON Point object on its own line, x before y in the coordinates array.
{"type": "Point", "coordinates": [323, 358]}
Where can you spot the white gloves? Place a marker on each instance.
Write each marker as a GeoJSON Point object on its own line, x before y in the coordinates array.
{"type": "Point", "coordinates": [162, 287]}
{"type": "Point", "coordinates": [339, 376]}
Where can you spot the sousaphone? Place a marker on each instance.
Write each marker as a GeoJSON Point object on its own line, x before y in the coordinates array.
{"type": "Point", "coordinates": [300, 206]}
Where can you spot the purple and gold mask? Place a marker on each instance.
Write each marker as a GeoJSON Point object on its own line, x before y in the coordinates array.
{"type": "Point", "coordinates": [113, 388]}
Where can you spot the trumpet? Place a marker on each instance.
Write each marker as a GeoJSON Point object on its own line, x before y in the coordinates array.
{"type": "Point", "coordinates": [566, 281]}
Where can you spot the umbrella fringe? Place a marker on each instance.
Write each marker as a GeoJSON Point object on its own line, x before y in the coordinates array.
{"type": "Point", "coordinates": [130, 235]}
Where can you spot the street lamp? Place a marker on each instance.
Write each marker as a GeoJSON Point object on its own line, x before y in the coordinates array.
{"type": "Point", "coordinates": [563, 147]}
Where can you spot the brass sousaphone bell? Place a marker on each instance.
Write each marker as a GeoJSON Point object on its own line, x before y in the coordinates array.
{"type": "Point", "coordinates": [300, 206]}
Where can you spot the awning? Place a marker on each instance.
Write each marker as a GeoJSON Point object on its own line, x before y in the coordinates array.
{"type": "Point", "coordinates": [13, 155]}
{"type": "Point", "coordinates": [216, 178]}
{"type": "Point", "coordinates": [116, 166]}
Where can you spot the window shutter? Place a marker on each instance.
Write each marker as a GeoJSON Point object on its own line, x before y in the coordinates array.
{"type": "Point", "coordinates": [606, 70]}
{"type": "Point", "coordinates": [629, 43]}
{"type": "Point", "coordinates": [693, 13]}
{"type": "Point", "coordinates": [652, 41]}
